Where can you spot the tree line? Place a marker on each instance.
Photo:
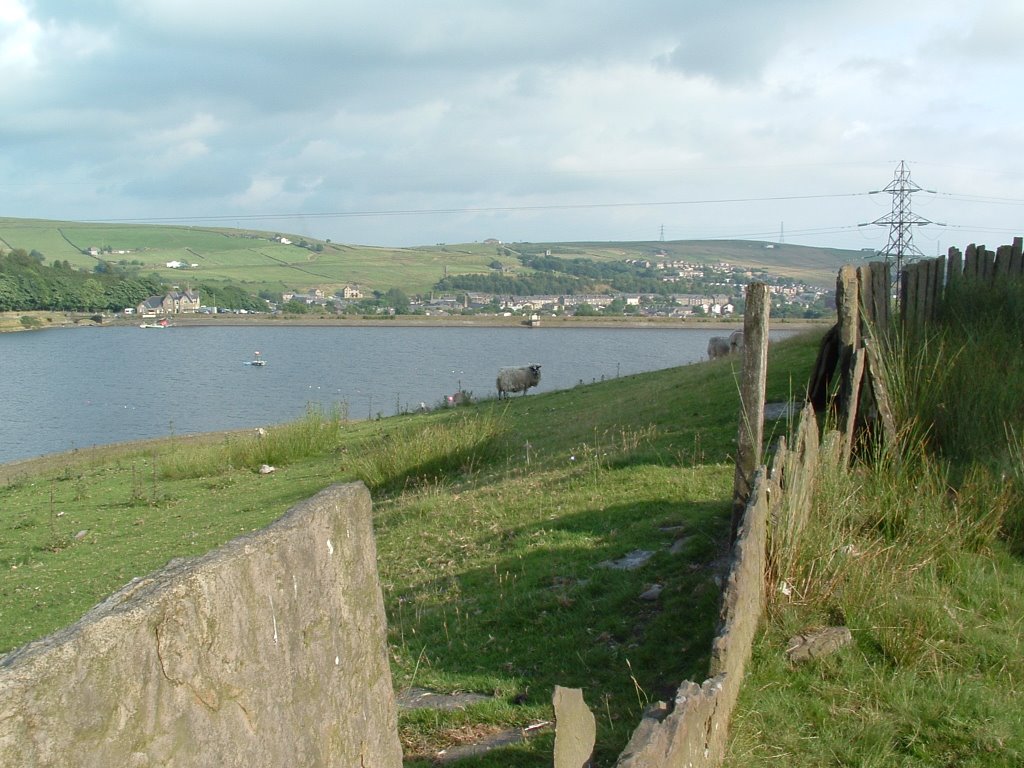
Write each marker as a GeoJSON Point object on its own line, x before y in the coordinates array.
{"type": "Point", "coordinates": [570, 276]}
{"type": "Point", "coordinates": [28, 284]}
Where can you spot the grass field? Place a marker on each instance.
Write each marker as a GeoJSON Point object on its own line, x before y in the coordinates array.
{"type": "Point", "coordinates": [256, 260]}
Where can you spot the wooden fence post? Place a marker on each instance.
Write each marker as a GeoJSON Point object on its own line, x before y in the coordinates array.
{"type": "Point", "coordinates": [955, 266]}
{"type": "Point", "coordinates": [988, 265]}
{"type": "Point", "coordinates": [1017, 258]}
{"type": "Point", "coordinates": [908, 295]}
{"type": "Point", "coordinates": [881, 295]}
{"type": "Point", "coordinates": [971, 263]}
{"type": "Point", "coordinates": [936, 287]}
{"type": "Point", "coordinates": [1004, 255]}
{"type": "Point", "coordinates": [752, 384]}
{"type": "Point", "coordinates": [921, 308]}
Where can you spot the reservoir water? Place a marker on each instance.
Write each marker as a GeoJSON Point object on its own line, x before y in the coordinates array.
{"type": "Point", "coordinates": [67, 389]}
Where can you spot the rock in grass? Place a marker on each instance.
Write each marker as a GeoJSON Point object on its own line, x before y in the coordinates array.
{"type": "Point", "coordinates": [814, 645]}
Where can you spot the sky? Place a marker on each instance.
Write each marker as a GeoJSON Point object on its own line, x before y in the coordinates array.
{"type": "Point", "coordinates": [416, 123]}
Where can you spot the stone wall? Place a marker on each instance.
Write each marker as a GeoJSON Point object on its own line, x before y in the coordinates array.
{"type": "Point", "coordinates": [270, 651]}
{"type": "Point", "coordinates": [693, 730]}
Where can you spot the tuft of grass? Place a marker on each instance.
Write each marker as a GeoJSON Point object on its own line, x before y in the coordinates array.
{"type": "Point", "coordinates": [315, 434]}
{"type": "Point", "coordinates": [422, 452]}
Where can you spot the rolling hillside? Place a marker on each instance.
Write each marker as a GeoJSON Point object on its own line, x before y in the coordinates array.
{"type": "Point", "coordinates": [259, 260]}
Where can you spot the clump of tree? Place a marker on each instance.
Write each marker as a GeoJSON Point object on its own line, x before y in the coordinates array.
{"type": "Point", "coordinates": [619, 275]}
{"type": "Point", "coordinates": [520, 285]}
{"type": "Point", "coordinates": [230, 296]}
{"type": "Point", "coordinates": [26, 283]}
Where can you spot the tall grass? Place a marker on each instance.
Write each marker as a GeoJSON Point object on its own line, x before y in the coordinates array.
{"type": "Point", "coordinates": [917, 550]}
{"type": "Point", "coordinates": [424, 452]}
{"type": "Point", "coordinates": [316, 433]}
{"type": "Point", "coordinates": [961, 381]}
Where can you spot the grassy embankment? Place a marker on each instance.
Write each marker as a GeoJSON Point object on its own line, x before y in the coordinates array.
{"type": "Point", "coordinates": [920, 554]}
{"type": "Point", "coordinates": [491, 522]}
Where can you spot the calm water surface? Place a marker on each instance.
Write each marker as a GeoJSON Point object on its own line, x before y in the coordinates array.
{"type": "Point", "coordinates": [74, 388]}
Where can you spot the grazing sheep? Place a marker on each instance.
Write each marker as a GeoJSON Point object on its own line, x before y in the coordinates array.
{"type": "Point", "coordinates": [718, 346]}
{"type": "Point", "coordinates": [517, 379]}
{"type": "Point", "coordinates": [736, 341]}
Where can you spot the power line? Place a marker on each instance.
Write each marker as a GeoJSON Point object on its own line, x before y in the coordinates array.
{"type": "Point", "coordinates": [490, 209]}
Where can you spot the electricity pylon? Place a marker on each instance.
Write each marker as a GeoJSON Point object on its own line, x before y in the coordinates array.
{"type": "Point", "coordinates": [901, 220]}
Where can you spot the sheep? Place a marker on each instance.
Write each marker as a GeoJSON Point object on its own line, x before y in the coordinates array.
{"type": "Point", "coordinates": [517, 379]}
{"type": "Point", "coordinates": [736, 341]}
{"type": "Point", "coordinates": [718, 346]}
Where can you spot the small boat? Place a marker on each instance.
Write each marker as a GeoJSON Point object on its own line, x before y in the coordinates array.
{"type": "Point", "coordinates": [162, 324]}
{"type": "Point", "coordinates": [257, 360]}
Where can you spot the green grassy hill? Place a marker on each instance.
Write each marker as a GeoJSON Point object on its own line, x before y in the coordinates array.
{"type": "Point", "coordinates": [257, 261]}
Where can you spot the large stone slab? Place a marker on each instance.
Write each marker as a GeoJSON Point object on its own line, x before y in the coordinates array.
{"type": "Point", "coordinates": [575, 728]}
{"type": "Point", "coordinates": [270, 651]}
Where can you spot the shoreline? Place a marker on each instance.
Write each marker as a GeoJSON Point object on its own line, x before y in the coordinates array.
{"type": "Point", "coordinates": [11, 322]}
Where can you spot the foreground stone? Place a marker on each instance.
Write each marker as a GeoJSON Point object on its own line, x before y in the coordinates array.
{"type": "Point", "coordinates": [814, 645]}
{"type": "Point", "coordinates": [575, 729]}
{"type": "Point", "coordinates": [267, 652]}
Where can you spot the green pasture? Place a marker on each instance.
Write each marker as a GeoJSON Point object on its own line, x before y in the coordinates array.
{"type": "Point", "coordinates": [254, 258]}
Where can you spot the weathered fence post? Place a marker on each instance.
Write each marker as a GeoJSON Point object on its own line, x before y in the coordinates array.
{"type": "Point", "coordinates": [971, 263]}
{"type": "Point", "coordinates": [848, 311]}
{"type": "Point", "coordinates": [955, 266]}
{"type": "Point", "coordinates": [910, 279]}
{"type": "Point", "coordinates": [1017, 258]}
{"type": "Point", "coordinates": [752, 384]}
{"type": "Point", "coordinates": [1004, 255]}
{"type": "Point", "coordinates": [881, 295]}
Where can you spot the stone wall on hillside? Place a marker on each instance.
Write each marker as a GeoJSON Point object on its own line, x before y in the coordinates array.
{"type": "Point", "coordinates": [692, 730]}
{"type": "Point", "coordinates": [270, 651]}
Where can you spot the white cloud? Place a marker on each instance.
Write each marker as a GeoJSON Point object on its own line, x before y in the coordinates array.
{"type": "Point", "coordinates": [19, 38]}
{"type": "Point", "coordinates": [182, 143]}
{"type": "Point", "coordinates": [187, 108]}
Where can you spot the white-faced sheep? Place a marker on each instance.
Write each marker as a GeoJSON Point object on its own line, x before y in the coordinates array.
{"type": "Point", "coordinates": [736, 341]}
{"type": "Point", "coordinates": [517, 379]}
{"type": "Point", "coordinates": [718, 346]}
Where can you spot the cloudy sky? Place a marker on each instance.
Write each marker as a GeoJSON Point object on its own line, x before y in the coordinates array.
{"type": "Point", "coordinates": [413, 122]}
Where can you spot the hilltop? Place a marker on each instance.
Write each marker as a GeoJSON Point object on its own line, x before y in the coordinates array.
{"type": "Point", "coordinates": [280, 261]}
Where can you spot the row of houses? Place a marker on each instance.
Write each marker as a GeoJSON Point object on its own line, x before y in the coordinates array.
{"type": "Point", "coordinates": [686, 304]}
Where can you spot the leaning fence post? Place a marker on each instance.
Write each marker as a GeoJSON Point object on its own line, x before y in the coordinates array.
{"type": "Point", "coordinates": [752, 384]}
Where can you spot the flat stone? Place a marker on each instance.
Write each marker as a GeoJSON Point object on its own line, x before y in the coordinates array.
{"type": "Point", "coordinates": [653, 592]}
{"type": "Point", "coordinates": [679, 545]}
{"type": "Point", "coordinates": [421, 698]}
{"type": "Point", "coordinates": [814, 645]}
{"type": "Point", "coordinates": [494, 741]}
{"type": "Point", "coordinates": [630, 562]}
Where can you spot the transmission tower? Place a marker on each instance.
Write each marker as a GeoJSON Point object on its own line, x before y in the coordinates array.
{"type": "Point", "coordinates": [901, 221]}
